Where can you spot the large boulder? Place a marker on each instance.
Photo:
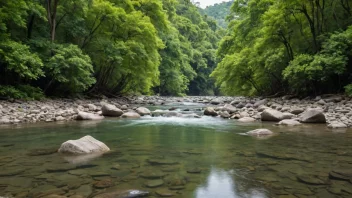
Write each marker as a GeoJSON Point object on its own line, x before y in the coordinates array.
{"type": "Point", "coordinates": [260, 132]}
{"type": "Point", "coordinates": [130, 114]}
{"type": "Point", "coordinates": [84, 145]}
{"type": "Point", "coordinates": [229, 108]}
{"type": "Point", "coordinates": [313, 116]}
{"type": "Point", "coordinates": [111, 110]}
{"type": "Point", "coordinates": [272, 115]}
{"type": "Point", "coordinates": [88, 116]}
{"type": "Point", "coordinates": [210, 111]}
{"type": "Point", "coordinates": [143, 111]}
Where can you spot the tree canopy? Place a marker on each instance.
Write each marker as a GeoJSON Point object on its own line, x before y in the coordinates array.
{"type": "Point", "coordinates": [110, 47]}
{"type": "Point", "coordinates": [172, 47]}
{"type": "Point", "coordinates": [276, 46]}
{"type": "Point", "coordinates": [219, 12]}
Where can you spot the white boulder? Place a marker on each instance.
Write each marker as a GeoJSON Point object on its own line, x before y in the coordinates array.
{"type": "Point", "coordinates": [84, 145]}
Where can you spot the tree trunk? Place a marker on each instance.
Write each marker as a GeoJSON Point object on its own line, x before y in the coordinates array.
{"type": "Point", "coordinates": [51, 14]}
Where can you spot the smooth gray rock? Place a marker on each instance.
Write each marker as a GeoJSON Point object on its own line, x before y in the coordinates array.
{"type": "Point", "coordinates": [88, 116]}
{"type": "Point", "coordinates": [336, 125]}
{"type": "Point", "coordinates": [313, 116]}
{"type": "Point", "coordinates": [215, 101]}
{"type": "Point", "coordinates": [246, 119]}
{"type": "Point", "coordinates": [130, 114]}
{"type": "Point", "coordinates": [84, 145]}
{"type": "Point", "coordinates": [288, 115]}
{"type": "Point", "coordinates": [210, 111]}
{"type": "Point", "coordinates": [143, 111]}
{"type": "Point", "coordinates": [224, 114]}
{"type": "Point", "coordinates": [271, 115]}
{"type": "Point", "coordinates": [296, 110]}
{"type": "Point", "coordinates": [289, 122]}
{"type": "Point", "coordinates": [260, 132]}
{"type": "Point", "coordinates": [260, 102]}
{"type": "Point", "coordinates": [111, 110]}
{"type": "Point", "coordinates": [92, 107]}
{"type": "Point", "coordinates": [229, 108]}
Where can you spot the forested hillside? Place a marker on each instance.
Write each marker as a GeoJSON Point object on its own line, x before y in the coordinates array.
{"type": "Point", "coordinates": [219, 12]}
{"type": "Point", "coordinates": [297, 46]}
{"type": "Point", "coordinates": [109, 47]}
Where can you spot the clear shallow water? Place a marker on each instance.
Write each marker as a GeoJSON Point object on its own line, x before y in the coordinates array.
{"type": "Point", "coordinates": [201, 157]}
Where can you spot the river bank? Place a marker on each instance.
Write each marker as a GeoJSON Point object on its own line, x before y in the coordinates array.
{"type": "Point", "coordinates": [337, 110]}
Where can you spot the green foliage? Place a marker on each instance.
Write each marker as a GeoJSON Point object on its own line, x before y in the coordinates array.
{"type": "Point", "coordinates": [21, 60]}
{"type": "Point", "coordinates": [109, 47]}
{"type": "Point", "coordinates": [25, 92]}
{"type": "Point", "coordinates": [71, 68]}
{"type": "Point", "coordinates": [348, 90]}
{"type": "Point", "coordinates": [299, 47]}
{"type": "Point", "coordinates": [307, 71]}
{"type": "Point", "coordinates": [219, 12]}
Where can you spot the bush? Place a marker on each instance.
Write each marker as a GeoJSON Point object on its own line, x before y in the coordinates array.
{"type": "Point", "coordinates": [348, 90]}
{"type": "Point", "coordinates": [25, 92]}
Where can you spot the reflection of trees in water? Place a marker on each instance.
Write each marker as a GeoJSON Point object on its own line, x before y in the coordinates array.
{"type": "Point", "coordinates": [221, 183]}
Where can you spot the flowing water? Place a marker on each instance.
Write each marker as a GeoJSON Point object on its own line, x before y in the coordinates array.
{"type": "Point", "coordinates": [184, 157]}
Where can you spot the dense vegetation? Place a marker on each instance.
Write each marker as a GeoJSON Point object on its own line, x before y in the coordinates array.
{"type": "Point", "coordinates": [219, 12]}
{"type": "Point", "coordinates": [276, 46]}
{"type": "Point", "coordinates": [110, 47]}
{"type": "Point", "coordinates": [168, 47]}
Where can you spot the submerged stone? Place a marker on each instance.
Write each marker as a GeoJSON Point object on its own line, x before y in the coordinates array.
{"type": "Point", "coordinates": [154, 183]}
{"type": "Point", "coordinates": [123, 194]}
{"type": "Point", "coordinates": [98, 174]}
{"type": "Point", "coordinates": [341, 174]}
{"type": "Point", "coordinates": [176, 187]}
{"type": "Point", "coordinates": [61, 168]}
{"type": "Point", "coordinates": [84, 190]}
{"type": "Point", "coordinates": [175, 180]}
{"type": "Point", "coordinates": [310, 179]}
{"type": "Point", "coordinates": [11, 172]}
{"type": "Point", "coordinates": [260, 132]}
{"type": "Point", "coordinates": [103, 184]}
{"type": "Point", "coordinates": [43, 151]}
{"type": "Point", "coordinates": [194, 170]}
{"type": "Point", "coordinates": [44, 190]}
{"type": "Point", "coordinates": [164, 193]}
{"type": "Point", "coordinates": [153, 175]}
{"type": "Point", "coordinates": [161, 162]}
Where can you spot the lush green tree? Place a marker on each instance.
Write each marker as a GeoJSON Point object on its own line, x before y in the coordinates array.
{"type": "Point", "coordinates": [106, 47]}
{"type": "Point", "coordinates": [219, 12]}
{"type": "Point", "coordinates": [281, 46]}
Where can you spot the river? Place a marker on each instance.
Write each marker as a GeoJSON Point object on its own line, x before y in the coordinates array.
{"type": "Point", "coordinates": [185, 157]}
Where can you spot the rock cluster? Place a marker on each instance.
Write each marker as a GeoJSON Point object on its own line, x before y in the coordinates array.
{"type": "Point", "coordinates": [334, 110]}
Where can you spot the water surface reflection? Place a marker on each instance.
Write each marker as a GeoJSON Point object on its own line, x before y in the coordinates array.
{"type": "Point", "coordinates": [220, 183]}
